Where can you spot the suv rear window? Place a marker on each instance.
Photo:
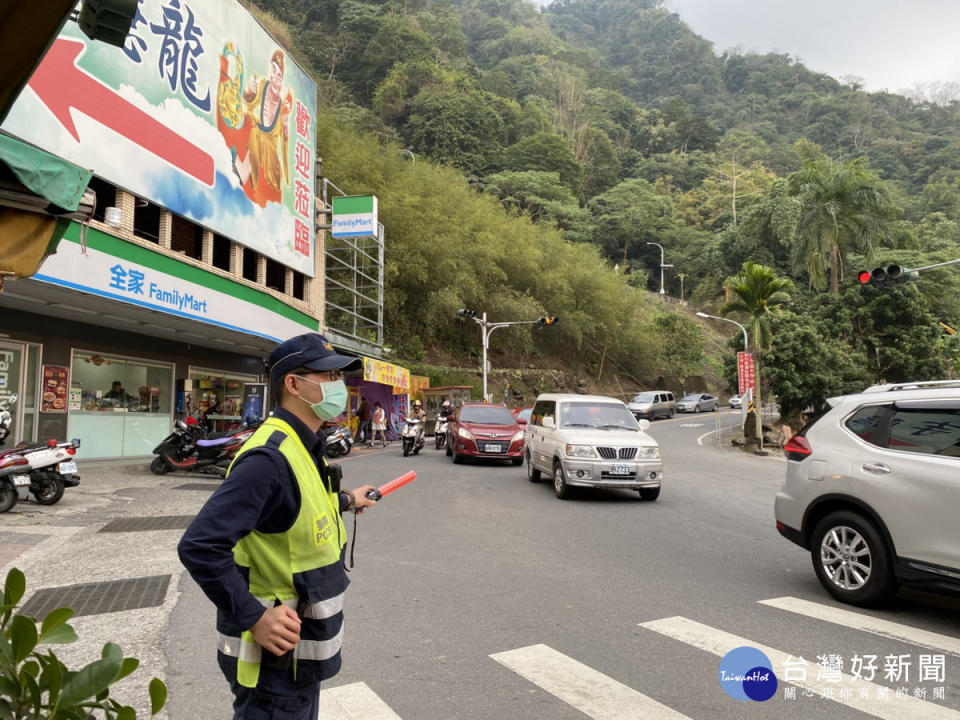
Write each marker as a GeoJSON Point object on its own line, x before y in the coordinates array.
{"type": "Point", "coordinates": [870, 424]}
{"type": "Point", "coordinates": [931, 431]}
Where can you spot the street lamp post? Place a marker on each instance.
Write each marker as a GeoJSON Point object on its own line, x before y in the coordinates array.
{"type": "Point", "coordinates": [662, 265]}
{"type": "Point", "coordinates": [487, 328]}
{"type": "Point", "coordinates": [757, 409]}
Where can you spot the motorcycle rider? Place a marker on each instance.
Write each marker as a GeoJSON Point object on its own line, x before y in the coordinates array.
{"type": "Point", "coordinates": [417, 413]}
{"type": "Point", "coordinates": [446, 410]}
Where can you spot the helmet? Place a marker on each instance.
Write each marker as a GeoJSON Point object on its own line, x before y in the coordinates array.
{"type": "Point", "coordinates": [445, 404]}
{"type": "Point", "coordinates": [417, 403]}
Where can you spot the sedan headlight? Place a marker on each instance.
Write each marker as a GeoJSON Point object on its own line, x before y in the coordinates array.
{"type": "Point", "coordinates": [465, 434]}
{"type": "Point", "coordinates": [517, 436]}
{"type": "Point", "coordinates": [583, 451]}
{"type": "Point", "coordinates": [650, 453]}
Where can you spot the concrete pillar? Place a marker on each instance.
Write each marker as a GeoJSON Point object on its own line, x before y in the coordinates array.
{"type": "Point", "coordinates": [288, 282]}
{"type": "Point", "coordinates": [206, 254]}
{"type": "Point", "coordinates": [236, 260]}
{"type": "Point", "coordinates": [166, 229]}
{"type": "Point", "coordinates": [261, 270]}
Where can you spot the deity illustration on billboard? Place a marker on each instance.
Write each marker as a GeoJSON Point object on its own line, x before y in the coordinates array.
{"type": "Point", "coordinates": [254, 122]}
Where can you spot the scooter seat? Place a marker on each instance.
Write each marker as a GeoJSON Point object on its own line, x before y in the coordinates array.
{"type": "Point", "coordinates": [215, 442]}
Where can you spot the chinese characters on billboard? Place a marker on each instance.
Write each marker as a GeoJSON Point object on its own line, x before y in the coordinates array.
{"type": "Point", "coordinates": [201, 112]}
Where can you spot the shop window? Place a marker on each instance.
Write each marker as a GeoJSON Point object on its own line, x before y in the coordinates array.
{"type": "Point", "coordinates": [220, 396]}
{"type": "Point", "coordinates": [119, 407]}
{"type": "Point", "coordinates": [250, 265]}
{"type": "Point", "coordinates": [146, 220]}
{"type": "Point", "coordinates": [106, 196]}
{"type": "Point", "coordinates": [221, 252]}
{"type": "Point", "coordinates": [186, 237]}
{"type": "Point", "coordinates": [298, 285]}
{"type": "Point", "coordinates": [276, 275]}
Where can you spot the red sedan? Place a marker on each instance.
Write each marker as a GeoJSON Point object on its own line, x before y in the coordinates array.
{"type": "Point", "coordinates": [484, 430]}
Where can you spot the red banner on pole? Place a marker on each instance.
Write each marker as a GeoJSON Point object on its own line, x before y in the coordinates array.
{"type": "Point", "coordinates": [746, 372]}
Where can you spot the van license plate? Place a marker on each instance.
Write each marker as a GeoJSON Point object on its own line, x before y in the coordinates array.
{"type": "Point", "coordinates": [619, 470]}
{"type": "Point", "coordinates": [67, 468]}
{"type": "Point", "coordinates": [21, 480]}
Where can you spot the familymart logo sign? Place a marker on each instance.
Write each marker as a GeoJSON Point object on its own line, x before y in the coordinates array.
{"type": "Point", "coordinates": [747, 674]}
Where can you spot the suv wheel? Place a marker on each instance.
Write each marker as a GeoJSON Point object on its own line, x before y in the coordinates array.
{"type": "Point", "coordinates": [560, 486]}
{"type": "Point", "coordinates": [533, 475]}
{"type": "Point", "coordinates": [851, 559]}
{"type": "Point", "coordinates": [696, 409]}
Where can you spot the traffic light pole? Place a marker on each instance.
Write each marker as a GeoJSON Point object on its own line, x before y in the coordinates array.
{"type": "Point", "coordinates": [487, 328]}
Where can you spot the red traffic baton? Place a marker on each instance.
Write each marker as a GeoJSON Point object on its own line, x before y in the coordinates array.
{"type": "Point", "coordinates": [399, 482]}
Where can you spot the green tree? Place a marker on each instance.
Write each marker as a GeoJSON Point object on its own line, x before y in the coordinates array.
{"type": "Point", "coordinates": [681, 344]}
{"type": "Point", "coordinates": [844, 208]}
{"type": "Point", "coordinates": [759, 294]}
{"type": "Point", "coordinates": [546, 152]}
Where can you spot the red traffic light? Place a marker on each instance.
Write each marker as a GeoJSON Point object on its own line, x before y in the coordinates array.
{"type": "Point", "coordinates": [864, 276]}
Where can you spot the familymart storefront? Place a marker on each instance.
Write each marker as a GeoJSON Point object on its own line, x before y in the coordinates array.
{"type": "Point", "coordinates": [109, 343]}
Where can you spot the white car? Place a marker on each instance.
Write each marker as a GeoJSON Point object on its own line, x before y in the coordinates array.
{"type": "Point", "coordinates": [736, 401]}
{"type": "Point", "coordinates": [591, 441]}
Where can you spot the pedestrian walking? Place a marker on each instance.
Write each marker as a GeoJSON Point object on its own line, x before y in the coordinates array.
{"type": "Point", "coordinates": [379, 425]}
{"type": "Point", "coordinates": [267, 548]}
{"type": "Point", "coordinates": [363, 421]}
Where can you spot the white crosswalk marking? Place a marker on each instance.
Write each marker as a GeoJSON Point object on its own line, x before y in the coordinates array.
{"type": "Point", "coordinates": [354, 702]}
{"type": "Point", "coordinates": [592, 693]}
{"type": "Point", "coordinates": [718, 642]}
{"type": "Point", "coordinates": [858, 621]}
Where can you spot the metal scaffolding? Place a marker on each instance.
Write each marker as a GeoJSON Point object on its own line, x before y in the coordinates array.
{"type": "Point", "coordinates": [353, 275]}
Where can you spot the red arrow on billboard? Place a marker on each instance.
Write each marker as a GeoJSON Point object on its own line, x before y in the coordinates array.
{"type": "Point", "coordinates": [61, 85]}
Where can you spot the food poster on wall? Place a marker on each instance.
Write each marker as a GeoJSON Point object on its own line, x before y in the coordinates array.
{"type": "Point", "coordinates": [55, 389]}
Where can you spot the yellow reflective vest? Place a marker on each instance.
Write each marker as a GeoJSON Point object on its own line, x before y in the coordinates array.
{"type": "Point", "coordinates": [301, 568]}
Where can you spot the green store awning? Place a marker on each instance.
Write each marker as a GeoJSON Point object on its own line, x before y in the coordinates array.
{"type": "Point", "coordinates": [59, 181]}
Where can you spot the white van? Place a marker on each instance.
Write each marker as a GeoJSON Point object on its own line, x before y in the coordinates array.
{"type": "Point", "coordinates": [651, 404]}
{"type": "Point", "coordinates": [591, 441]}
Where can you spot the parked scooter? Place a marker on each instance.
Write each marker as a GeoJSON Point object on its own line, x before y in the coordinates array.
{"type": "Point", "coordinates": [339, 442]}
{"type": "Point", "coordinates": [440, 431]}
{"type": "Point", "coordinates": [412, 437]}
{"type": "Point", "coordinates": [186, 450]}
{"type": "Point", "coordinates": [44, 470]}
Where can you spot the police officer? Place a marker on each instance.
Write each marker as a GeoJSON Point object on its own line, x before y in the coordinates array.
{"type": "Point", "coordinates": [267, 547]}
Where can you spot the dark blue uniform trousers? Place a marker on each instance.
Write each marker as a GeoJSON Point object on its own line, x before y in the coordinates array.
{"type": "Point", "coordinates": [276, 697]}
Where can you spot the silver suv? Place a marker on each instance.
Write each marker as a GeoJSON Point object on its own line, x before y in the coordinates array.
{"type": "Point", "coordinates": [873, 491]}
{"type": "Point", "coordinates": [591, 441]}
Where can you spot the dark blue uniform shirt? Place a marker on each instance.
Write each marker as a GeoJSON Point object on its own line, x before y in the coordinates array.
{"type": "Point", "coordinates": [260, 493]}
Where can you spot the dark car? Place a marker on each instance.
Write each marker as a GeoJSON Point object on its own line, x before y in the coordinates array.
{"type": "Point", "coordinates": [484, 430]}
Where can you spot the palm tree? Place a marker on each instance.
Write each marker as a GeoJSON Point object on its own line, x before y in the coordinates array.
{"type": "Point", "coordinates": [843, 208]}
{"type": "Point", "coordinates": [758, 293]}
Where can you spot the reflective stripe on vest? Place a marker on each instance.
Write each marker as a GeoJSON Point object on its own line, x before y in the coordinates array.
{"type": "Point", "coordinates": [300, 563]}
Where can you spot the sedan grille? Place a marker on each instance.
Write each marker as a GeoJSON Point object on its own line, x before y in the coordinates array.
{"type": "Point", "coordinates": [609, 453]}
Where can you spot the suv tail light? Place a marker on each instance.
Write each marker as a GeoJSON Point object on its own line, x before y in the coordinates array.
{"type": "Point", "coordinates": [797, 448]}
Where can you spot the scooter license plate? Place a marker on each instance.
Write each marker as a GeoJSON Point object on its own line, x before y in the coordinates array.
{"type": "Point", "coordinates": [67, 468]}
{"type": "Point", "coordinates": [619, 470]}
{"type": "Point", "coordinates": [21, 481]}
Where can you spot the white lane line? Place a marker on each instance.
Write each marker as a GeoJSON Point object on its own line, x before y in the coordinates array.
{"type": "Point", "coordinates": [355, 701]}
{"type": "Point", "coordinates": [592, 693]}
{"type": "Point", "coordinates": [866, 623]}
{"type": "Point", "coordinates": [718, 642]}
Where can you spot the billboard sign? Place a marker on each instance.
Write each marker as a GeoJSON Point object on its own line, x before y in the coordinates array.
{"type": "Point", "coordinates": [746, 372]}
{"type": "Point", "coordinates": [354, 216]}
{"type": "Point", "coordinates": [201, 112]}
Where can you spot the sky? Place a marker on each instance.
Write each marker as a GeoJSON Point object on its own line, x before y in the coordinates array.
{"type": "Point", "coordinates": [889, 44]}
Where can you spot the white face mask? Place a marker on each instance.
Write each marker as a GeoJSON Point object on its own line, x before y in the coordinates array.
{"type": "Point", "coordinates": [334, 398]}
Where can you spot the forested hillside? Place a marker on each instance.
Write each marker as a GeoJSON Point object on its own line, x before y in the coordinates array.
{"type": "Point", "coordinates": [600, 126]}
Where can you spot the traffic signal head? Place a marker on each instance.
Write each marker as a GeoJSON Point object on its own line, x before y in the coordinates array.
{"type": "Point", "coordinates": [464, 313]}
{"type": "Point", "coordinates": [548, 321]}
{"type": "Point", "coordinates": [892, 274]}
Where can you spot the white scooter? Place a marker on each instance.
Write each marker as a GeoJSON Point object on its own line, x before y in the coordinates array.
{"type": "Point", "coordinates": [44, 469]}
{"type": "Point", "coordinates": [440, 431]}
{"type": "Point", "coordinates": [412, 436]}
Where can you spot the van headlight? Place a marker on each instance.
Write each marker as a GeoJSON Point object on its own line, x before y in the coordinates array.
{"type": "Point", "coordinates": [650, 453]}
{"type": "Point", "coordinates": [583, 451]}
{"type": "Point", "coordinates": [517, 436]}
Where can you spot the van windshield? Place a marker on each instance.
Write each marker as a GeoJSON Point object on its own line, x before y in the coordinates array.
{"type": "Point", "coordinates": [595, 415]}
{"type": "Point", "coordinates": [643, 398]}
